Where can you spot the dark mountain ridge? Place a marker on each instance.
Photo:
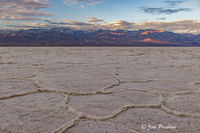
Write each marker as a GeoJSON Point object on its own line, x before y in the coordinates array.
{"type": "Point", "coordinates": [69, 37]}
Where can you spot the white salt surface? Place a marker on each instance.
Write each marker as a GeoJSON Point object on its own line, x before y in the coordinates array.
{"type": "Point", "coordinates": [99, 90]}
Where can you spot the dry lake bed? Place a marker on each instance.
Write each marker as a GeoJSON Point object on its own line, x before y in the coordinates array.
{"type": "Point", "coordinates": [100, 90]}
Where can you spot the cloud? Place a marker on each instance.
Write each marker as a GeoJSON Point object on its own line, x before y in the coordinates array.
{"type": "Point", "coordinates": [78, 25]}
{"type": "Point", "coordinates": [161, 18]}
{"type": "Point", "coordinates": [184, 26]}
{"type": "Point", "coordinates": [163, 10]}
{"type": "Point", "coordinates": [23, 9]}
{"type": "Point", "coordinates": [35, 25]}
{"type": "Point", "coordinates": [74, 22]}
{"type": "Point", "coordinates": [182, 2]}
{"type": "Point", "coordinates": [55, 23]}
{"type": "Point", "coordinates": [174, 2]}
{"type": "Point", "coordinates": [191, 2]}
{"type": "Point", "coordinates": [82, 3]}
{"type": "Point", "coordinates": [118, 25]}
{"type": "Point", "coordinates": [5, 22]}
{"type": "Point", "coordinates": [94, 20]}
{"type": "Point", "coordinates": [121, 24]}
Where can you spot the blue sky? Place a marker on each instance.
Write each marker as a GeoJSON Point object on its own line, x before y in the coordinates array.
{"type": "Point", "coordinates": [129, 10]}
{"type": "Point", "coordinates": [171, 15]}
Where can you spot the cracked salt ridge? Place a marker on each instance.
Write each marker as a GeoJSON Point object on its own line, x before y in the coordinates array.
{"type": "Point", "coordinates": [99, 127]}
{"type": "Point", "coordinates": [61, 84]}
{"type": "Point", "coordinates": [115, 76]}
{"type": "Point", "coordinates": [44, 89]}
{"type": "Point", "coordinates": [81, 115]}
{"type": "Point", "coordinates": [74, 93]}
{"type": "Point", "coordinates": [161, 106]}
{"type": "Point", "coordinates": [119, 110]}
{"type": "Point", "coordinates": [36, 108]}
{"type": "Point", "coordinates": [182, 92]}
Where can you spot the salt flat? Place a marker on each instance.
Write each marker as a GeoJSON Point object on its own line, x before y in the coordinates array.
{"type": "Point", "coordinates": [100, 90]}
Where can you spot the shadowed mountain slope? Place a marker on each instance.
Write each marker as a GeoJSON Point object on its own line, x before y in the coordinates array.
{"type": "Point", "coordinates": [69, 37]}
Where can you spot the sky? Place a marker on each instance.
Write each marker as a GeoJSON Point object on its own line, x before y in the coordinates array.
{"type": "Point", "coordinates": [181, 16]}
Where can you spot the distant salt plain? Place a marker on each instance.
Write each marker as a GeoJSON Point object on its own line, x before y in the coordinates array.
{"type": "Point", "coordinates": [99, 90]}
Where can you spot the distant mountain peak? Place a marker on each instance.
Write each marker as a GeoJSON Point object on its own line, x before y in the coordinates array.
{"type": "Point", "coordinates": [118, 34]}
{"type": "Point", "coordinates": [150, 40]}
{"type": "Point", "coordinates": [151, 31]}
{"type": "Point", "coordinates": [113, 33]}
{"type": "Point", "coordinates": [12, 35]}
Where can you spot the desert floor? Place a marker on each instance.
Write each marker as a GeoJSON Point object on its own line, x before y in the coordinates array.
{"type": "Point", "coordinates": [99, 90]}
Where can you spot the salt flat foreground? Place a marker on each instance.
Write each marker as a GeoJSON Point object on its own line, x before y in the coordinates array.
{"type": "Point", "coordinates": [99, 90]}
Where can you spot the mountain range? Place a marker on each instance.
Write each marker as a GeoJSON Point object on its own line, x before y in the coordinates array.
{"type": "Point", "coordinates": [70, 37]}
